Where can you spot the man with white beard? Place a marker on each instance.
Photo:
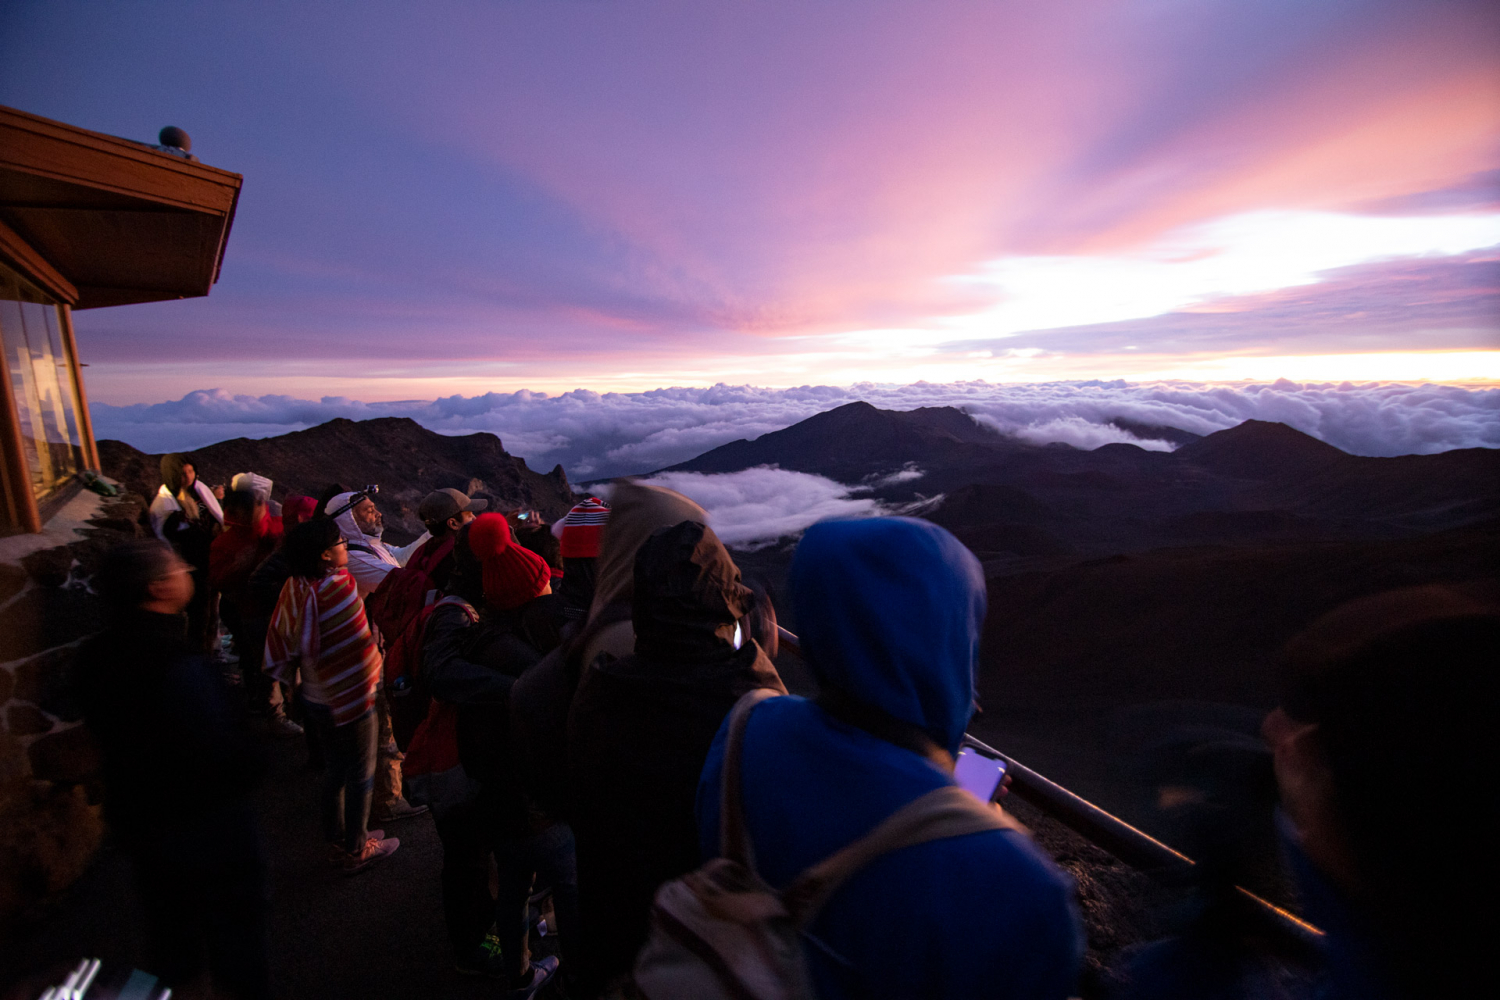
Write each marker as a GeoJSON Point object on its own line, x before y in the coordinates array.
{"type": "Point", "coordinates": [370, 559]}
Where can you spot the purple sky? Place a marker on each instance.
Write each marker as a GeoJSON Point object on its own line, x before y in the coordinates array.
{"type": "Point", "coordinates": [621, 194]}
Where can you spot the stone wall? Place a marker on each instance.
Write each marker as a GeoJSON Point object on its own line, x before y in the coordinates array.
{"type": "Point", "coordinates": [49, 816]}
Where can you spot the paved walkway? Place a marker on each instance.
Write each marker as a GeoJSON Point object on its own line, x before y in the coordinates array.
{"type": "Point", "coordinates": [377, 935]}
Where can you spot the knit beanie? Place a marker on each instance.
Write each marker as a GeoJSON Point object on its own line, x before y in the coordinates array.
{"type": "Point", "coordinates": [512, 575]}
{"type": "Point", "coordinates": [580, 530]}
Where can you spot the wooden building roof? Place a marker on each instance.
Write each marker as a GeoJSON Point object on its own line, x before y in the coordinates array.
{"type": "Point", "coordinates": [103, 221]}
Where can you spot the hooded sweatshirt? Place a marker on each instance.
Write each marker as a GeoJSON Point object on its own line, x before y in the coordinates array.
{"type": "Point", "coordinates": [641, 727]}
{"type": "Point", "coordinates": [636, 511]}
{"type": "Point", "coordinates": [236, 553]}
{"type": "Point", "coordinates": [370, 559]}
{"type": "Point", "coordinates": [890, 611]}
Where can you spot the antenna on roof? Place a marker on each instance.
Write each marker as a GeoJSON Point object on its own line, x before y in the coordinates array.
{"type": "Point", "coordinates": [175, 138]}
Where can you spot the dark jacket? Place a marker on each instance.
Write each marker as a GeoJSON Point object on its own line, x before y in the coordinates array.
{"type": "Point", "coordinates": [641, 727]}
{"type": "Point", "coordinates": [263, 589]}
{"type": "Point", "coordinates": [543, 698]}
{"type": "Point", "coordinates": [474, 665]}
{"type": "Point", "coordinates": [173, 743]}
{"type": "Point", "coordinates": [577, 588]}
{"type": "Point", "coordinates": [889, 612]}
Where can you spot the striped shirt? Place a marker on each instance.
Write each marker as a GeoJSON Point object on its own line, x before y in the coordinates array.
{"type": "Point", "coordinates": [579, 531]}
{"type": "Point", "coordinates": [320, 626]}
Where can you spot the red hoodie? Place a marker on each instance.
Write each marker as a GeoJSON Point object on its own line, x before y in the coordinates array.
{"type": "Point", "coordinates": [235, 554]}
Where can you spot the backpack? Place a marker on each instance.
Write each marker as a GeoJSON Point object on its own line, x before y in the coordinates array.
{"type": "Point", "coordinates": [722, 932]}
{"type": "Point", "coordinates": [432, 774]}
{"type": "Point", "coordinates": [395, 608]}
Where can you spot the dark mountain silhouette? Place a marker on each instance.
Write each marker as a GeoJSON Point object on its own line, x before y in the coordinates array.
{"type": "Point", "coordinates": [1020, 506]}
{"type": "Point", "coordinates": [405, 459]}
{"type": "Point", "coordinates": [1258, 449]}
{"type": "Point", "coordinates": [856, 441]}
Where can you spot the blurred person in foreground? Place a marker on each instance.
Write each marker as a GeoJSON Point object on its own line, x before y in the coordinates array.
{"type": "Point", "coordinates": [178, 771]}
{"type": "Point", "coordinates": [640, 729]}
{"type": "Point", "coordinates": [890, 611]}
{"type": "Point", "coordinates": [319, 628]}
{"type": "Point", "coordinates": [492, 627]}
{"type": "Point", "coordinates": [1384, 745]}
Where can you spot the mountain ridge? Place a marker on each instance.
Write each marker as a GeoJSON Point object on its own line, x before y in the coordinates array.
{"type": "Point", "coordinates": [1255, 482]}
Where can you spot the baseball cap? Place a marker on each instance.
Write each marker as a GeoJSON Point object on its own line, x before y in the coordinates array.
{"type": "Point", "coordinates": [439, 505]}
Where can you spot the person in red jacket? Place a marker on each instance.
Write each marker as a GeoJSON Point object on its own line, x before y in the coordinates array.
{"type": "Point", "coordinates": [250, 534]}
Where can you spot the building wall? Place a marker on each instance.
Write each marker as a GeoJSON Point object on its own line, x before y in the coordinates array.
{"type": "Point", "coordinates": [50, 824]}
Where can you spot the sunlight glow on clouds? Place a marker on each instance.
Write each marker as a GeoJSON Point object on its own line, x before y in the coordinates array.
{"type": "Point", "coordinates": [1242, 255]}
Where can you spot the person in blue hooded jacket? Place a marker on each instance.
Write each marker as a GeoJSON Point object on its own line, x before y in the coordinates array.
{"type": "Point", "coordinates": [889, 611]}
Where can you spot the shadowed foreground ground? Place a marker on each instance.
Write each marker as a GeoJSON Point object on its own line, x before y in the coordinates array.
{"type": "Point", "coordinates": [376, 935]}
{"type": "Point", "coordinates": [379, 935]}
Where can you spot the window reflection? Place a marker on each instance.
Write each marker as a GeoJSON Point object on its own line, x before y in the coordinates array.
{"type": "Point", "coordinates": [40, 382]}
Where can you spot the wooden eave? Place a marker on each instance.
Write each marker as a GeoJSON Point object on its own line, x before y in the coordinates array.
{"type": "Point", "coordinates": [117, 221]}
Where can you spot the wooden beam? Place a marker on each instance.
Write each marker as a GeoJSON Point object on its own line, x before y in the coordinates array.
{"type": "Point", "coordinates": [45, 148]}
{"type": "Point", "coordinates": [75, 369]}
{"type": "Point", "coordinates": [20, 255]}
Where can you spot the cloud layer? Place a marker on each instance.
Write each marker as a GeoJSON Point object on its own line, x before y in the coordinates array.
{"type": "Point", "coordinates": [597, 435]}
{"type": "Point", "coordinates": [754, 507]}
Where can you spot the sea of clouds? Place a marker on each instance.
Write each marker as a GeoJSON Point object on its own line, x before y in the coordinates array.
{"type": "Point", "coordinates": [595, 436]}
{"type": "Point", "coordinates": [599, 435]}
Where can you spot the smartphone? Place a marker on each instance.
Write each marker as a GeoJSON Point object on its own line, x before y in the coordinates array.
{"type": "Point", "coordinates": [978, 774]}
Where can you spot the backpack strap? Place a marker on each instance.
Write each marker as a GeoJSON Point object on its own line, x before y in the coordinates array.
{"type": "Point", "coordinates": [944, 812]}
{"type": "Point", "coordinates": [359, 548]}
{"type": "Point", "coordinates": [734, 838]}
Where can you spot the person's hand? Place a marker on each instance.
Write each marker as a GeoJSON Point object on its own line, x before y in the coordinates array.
{"type": "Point", "coordinates": [219, 492]}
{"type": "Point", "coordinates": [1004, 788]}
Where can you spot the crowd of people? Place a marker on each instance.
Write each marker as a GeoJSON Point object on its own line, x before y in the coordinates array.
{"type": "Point", "coordinates": [591, 713]}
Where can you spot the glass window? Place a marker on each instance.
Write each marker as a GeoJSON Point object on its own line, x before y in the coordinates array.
{"type": "Point", "coordinates": [41, 383]}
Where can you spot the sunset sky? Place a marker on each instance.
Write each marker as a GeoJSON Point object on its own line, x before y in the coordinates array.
{"type": "Point", "coordinates": [623, 195]}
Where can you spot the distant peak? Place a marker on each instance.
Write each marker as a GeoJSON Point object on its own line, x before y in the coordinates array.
{"type": "Point", "coordinates": [1261, 448]}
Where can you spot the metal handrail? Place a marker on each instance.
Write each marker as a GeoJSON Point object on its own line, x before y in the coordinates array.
{"type": "Point", "coordinates": [1132, 846]}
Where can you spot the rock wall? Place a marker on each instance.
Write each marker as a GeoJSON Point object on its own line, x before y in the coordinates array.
{"type": "Point", "coordinates": [49, 816]}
